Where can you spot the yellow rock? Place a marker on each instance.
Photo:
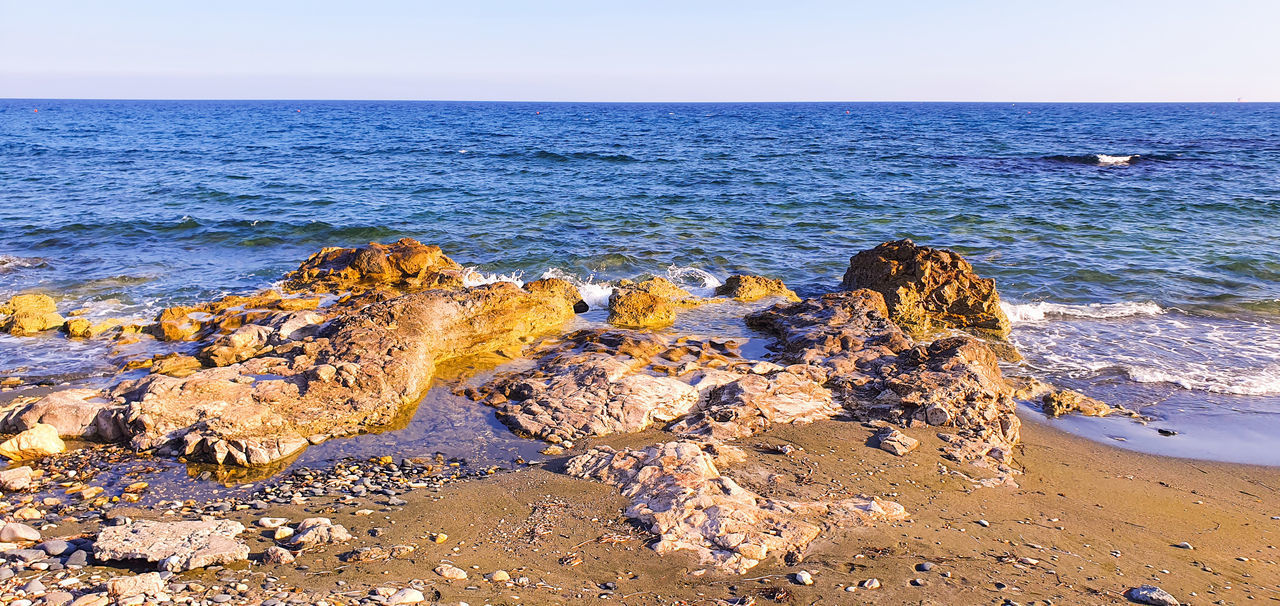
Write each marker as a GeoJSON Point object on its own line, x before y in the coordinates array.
{"type": "Point", "coordinates": [136, 487]}
{"type": "Point", "coordinates": [439, 537]}
{"type": "Point", "coordinates": [39, 441]}
{"type": "Point", "coordinates": [753, 288]}
{"type": "Point", "coordinates": [78, 328]}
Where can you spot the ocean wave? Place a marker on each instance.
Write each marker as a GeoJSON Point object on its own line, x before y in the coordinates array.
{"type": "Point", "coordinates": [1101, 159]}
{"type": "Point", "coordinates": [1264, 382]}
{"type": "Point", "coordinates": [1040, 311]}
{"type": "Point", "coordinates": [595, 294]}
{"type": "Point", "coordinates": [474, 277]}
{"type": "Point", "coordinates": [693, 279]}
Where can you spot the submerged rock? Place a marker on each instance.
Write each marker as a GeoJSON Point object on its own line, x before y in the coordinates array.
{"type": "Point", "coordinates": [676, 489]}
{"type": "Point", "coordinates": [651, 303]}
{"type": "Point", "coordinates": [406, 265]}
{"type": "Point", "coordinates": [928, 288]}
{"type": "Point", "coordinates": [175, 546]}
{"type": "Point", "coordinates": [747, 288]}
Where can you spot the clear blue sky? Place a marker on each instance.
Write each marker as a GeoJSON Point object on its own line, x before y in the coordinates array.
{"type": "Point", "coordinates": [602, 50]}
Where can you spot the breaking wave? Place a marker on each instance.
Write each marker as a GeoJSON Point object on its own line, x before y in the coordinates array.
{"type": "Point", "coordinates": [1098, 159]}
{"type": "Point", "coordinates": [595, 294]}
{"type": "Point", "coordinates": [1262, 382]}
{"type": "Point", "coordinates": [1040, 311]}
{"type": "Point", "coordinates": [10, 262]}
{"type": "Point", "coordinates": [695, 280]}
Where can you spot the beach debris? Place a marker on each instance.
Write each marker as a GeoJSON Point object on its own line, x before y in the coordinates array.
{"type": "Point", "coordinates": [1150, 594]}
{"type": "Point", "coordinates": [175, 546]}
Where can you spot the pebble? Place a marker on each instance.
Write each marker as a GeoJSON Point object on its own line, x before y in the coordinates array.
{"type": "Point", "coordinates": [924, 566]}
{"type": "Point", "coordinates": [1184, 545]}
{"type": "Point", "coordinates": [871, 584]}
{"type": "Point", "coordinates": [918, 582]}
{"type": "Point", "coordinates": [984, 523]}
{"type": "Point", "coordinates": [406, 596]}
{"type": "Point", "coordinates": [804, 578]}
{"type": "Point", "coordinates": [499, 576]}
{"type": "Point", "coordinates": [450, 571]}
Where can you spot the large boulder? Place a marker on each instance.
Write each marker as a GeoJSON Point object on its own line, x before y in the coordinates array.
{"type": "Point", "coordinates": [30, 314]}
{"type": "Point", "coordinates": [406, 265]}
{"type": "Point", "coordinates": [174, 546]}
{"type": "Point", "coordinates": [927, 289]}
{"type": "Point", "coordinates": [39, 441]}
{"type": "Point", "coordinates": [74, 413]}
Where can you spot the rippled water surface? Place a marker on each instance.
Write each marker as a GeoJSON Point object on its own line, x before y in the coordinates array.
{"type": "Point", "coordinates": [1137, 245]}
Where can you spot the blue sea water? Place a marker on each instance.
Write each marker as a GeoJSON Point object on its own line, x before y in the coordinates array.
{"type": "Point", "coordinates": [1138, 245]}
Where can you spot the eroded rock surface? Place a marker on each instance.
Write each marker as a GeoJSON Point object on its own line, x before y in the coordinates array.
{"type": "Point", "coordinates": [928, 288]}
{"type": "Point", "coordinates": [405, 265]}
{"type": "Point", "coordinates": [651, 303]}
{"type": "Point", "coordinates": [29, 314]}
{"type": "Point", "coordinates": [748, 288]}
{"type": "Point", "coordinates": [175, 546]}
{"type": "Point", "coordinates": [677, 490]}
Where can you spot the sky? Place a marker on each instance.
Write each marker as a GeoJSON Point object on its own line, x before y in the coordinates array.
{"type": "Point", "coordinates": [603, 50]}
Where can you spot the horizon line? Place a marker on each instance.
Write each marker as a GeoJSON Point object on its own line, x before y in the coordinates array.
{"type": "Point", "coordinates": [394, 100]}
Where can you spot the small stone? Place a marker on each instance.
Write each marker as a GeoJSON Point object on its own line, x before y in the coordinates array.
{"type": "Point", "coordinates": [498, 576]}
{"type": "Point", "coordinates": [898, 443]}
{"type": "Point", "coordinates": [55, 547]}
{"type": "Point", "coordinates": [871, 584]}
{"type": "Point", "coordinates": [34, 586]}
{"type": "Point", "coordinates": [924, 566]}
{"type": "Point", "coordinates": [18, 478]}
{"type": "Point", "coordinates": [277, 555]}
{"type": "Point", "coordinates": [406, 596]}
{"type": "Point", "coordinates": [1150, 594]}
{"type": "Point", "coordinates": [1184, 545]}
{"type": "Point", "coordinates": [918, 582]}
{"type": "Point", "coordinates": [804, 578]}
{"type": "Point", "coordinates": [57, 598]}
{"type": "Point", "coordinates": [92, 599]}
{"type": "Point", "coordinates": [984, 523]}
{"type": "Point", "coordinates": [14, 532]}
{"type": "Point", "coordinates": [143, 584]}
{"type": "Point", "coordinates": [282, 533]}
{"type": "Point", "coordinates": [41, 440]}
{"type": "Point", "coordinates": [450, 571]}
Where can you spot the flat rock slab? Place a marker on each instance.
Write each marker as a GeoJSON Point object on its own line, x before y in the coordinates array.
{"type": "Point", "coordinates": [177, 546]}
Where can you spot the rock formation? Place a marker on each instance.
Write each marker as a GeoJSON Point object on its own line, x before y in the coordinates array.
{"type": "Point", "coordinates": [29, 314]}
{"type": "Point", "coordinates": [174, 546]}
{"type": "Point", "coordinates": [651, 303]}
{"type": "Point", "coordinates": [405, 266]}
{"type": "Point", "coordinates": [753, 288]}
{"type": "Point", "coordinates": [928, 289]}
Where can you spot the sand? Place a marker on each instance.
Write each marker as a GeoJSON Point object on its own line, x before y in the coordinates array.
{"type": "Point", "coordinates": [1087, 522]}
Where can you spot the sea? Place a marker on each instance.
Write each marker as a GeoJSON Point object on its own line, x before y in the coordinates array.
{"type": "Point", "coordinates": [1136, 247]}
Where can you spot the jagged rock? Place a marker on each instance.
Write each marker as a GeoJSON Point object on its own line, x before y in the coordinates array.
{"type": "Point", "coordinates": [677, 490]}
{"type": "Point", "coordinates": [175, 365]}
{"type": "Point", "coordinates": [1150, 594]}
{"type": "Point", "coordinates": [896, 442]}
{"type": "Point", "coordinates": [78, 328]}
{"type": "Point", "coordinates": [175, 546]}
{"type": "Point", "coordinates": [406, 265]}
{"type": "Point", "coordinates": [15, 479]}
{"type": "Point", "coordinates": [651, 303]}
{"type": "Point", "coordinates": [752, 403]}
{"type": "Point", "coordinates": [30, 314]}
{"type": "Point", "coordinates": [41, 440]}
{"type": "Point", "coordinates": [849, 333]}
{"type": "Point", "coordinates": [148, 584]}
{"type": "Point", "coordinates": [753, 288]}
{"type": "Point", "coordinates": [1065, 401]}
{"type": "Point", "coordinates": [383, 357]}
{"type": "Point", "coordinates": [928, 288]}
{"type": "Point", "coordinates": [243, 343]}
{"type": "Point", "coordinates": [75, 413]}
{"type": "Point", "coordinates": [317, 532]}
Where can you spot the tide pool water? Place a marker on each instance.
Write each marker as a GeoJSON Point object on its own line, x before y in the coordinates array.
{"type": "Point", "coordinates": [1137, 246]}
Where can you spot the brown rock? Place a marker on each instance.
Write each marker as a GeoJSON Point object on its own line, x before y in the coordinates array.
{"type": "Point", "coordinates": [78, 328]}
{"type": "Point", "coordinates": [406, 265]}
{"type": "Point", "coordinates": [753, 288]}
{"type": "Point", "coordinates": [651, 303]}
{"type": "Point", "coordinates": [928, 288]}
{"type": "Point", "coordinates": [896, 442]}
{"type": "Point", "coordinates": [74, 413]}
{"type": "Point", "coordinates": [149, 584]}
{"type": "Point", "coordinates": [175, 365]}
{"type": "Point", "coordinates": [176, 546]}
{"type": "Point", "coordinates": [1065, 401]}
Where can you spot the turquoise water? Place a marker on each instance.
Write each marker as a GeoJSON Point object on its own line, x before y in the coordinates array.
{"type": "Point", "coordinates": [1139, 245]}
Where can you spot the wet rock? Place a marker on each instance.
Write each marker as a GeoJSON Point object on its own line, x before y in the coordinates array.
{"type": "Point", "coordinates": [1065, 401]}
{"type": "Point", "coordinates": [39, 441]}
{"type": "Point", "coordinates": [651, 303]}
{"type": "Point", "coordinates": [928, 288]}
{"type": "Point", "coordinates": [14, 532]}
{"type": "Point", "coordinates": [1150, 594]}
{"type": "Point", "coordinates": [175, 365]}
{"type": "Point", "coordinates": [15, 479]}
{"type": "Point", "coordinates": [29, 314]}
{"type": "Point", "coordinates": [316, 532]}
{"type": "Point", "coordinates": [148, 584]}
{"type": "Point", "coordinates": [176, 546]}
{"type": "Point", "coordinates": [896, 442]}
{"type": "Point", "coordinates": [406, 265]}
{"type": "Point", "coordinates": [78, 328]}
{"type": "Point", "coordinates": [753, 288]}
{"type": "Point", "coordinates": [677, 490]}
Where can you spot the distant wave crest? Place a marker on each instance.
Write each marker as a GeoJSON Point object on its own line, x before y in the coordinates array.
{"type": "Point", "coordinates": [1043, 310]}
{"type": "Point", "coordinates": [11, 263]}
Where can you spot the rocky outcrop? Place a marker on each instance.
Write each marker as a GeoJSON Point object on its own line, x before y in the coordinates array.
{"type": "Point", "coordinates": [73, 413]}
{"type": "Point", "coordinates": [29, 314]}
{"type": "Point", "coordinates": [1066, 401]}
{"type": "Point", "coordinates": [927, 289]}
{"type": "Point", "coordinates": [39, 441]}
{"type": "Point", "coordinates": [174, 546]}
{"type": "Point", "coordinates": [677, 491]}
{"type": "Point", "coordinates": [405, 265]}
{"type": "Point", "coordinates": [767, 395]}
{"type": "Point", "coordinates": [748, 288]}
{"type": "Point", "coordinates": [651, 303]}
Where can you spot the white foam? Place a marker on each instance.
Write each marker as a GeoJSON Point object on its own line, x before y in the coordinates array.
{"type": "Point", "coordinates": [1264, 382]}
{"type": "Point", "coordinates": [696, 280]}
{"type": "Point", "coordinates": [595, 294]}
{"type": "Point", "coordinates": [1105, 159]}
{"type": "Point", "coordinates": [474, 277]}
{"type": "Point", "coordinates": [11, 262]}
{"type": "Point", "coordinates": [1040, 311]}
